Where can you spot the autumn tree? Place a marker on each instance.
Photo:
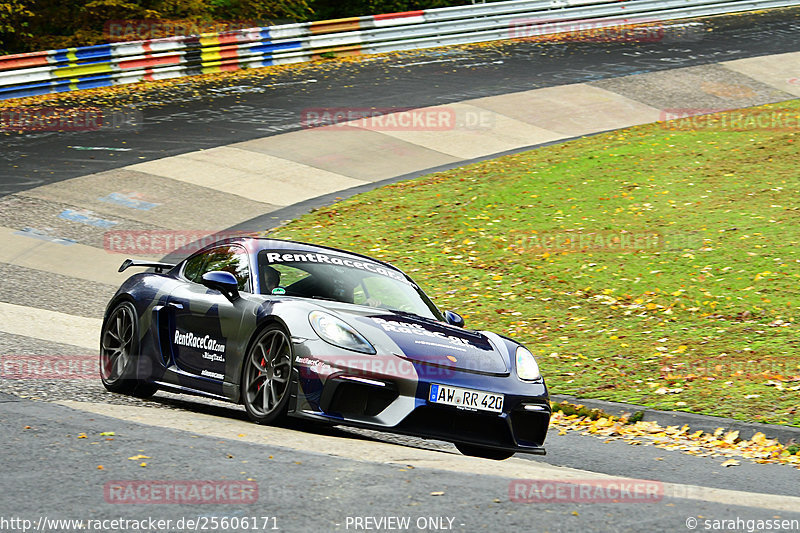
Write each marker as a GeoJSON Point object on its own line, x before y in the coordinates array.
{"type": "Point", "coordinates": [15, 16]}
{"type": "Point", "coordinates": [27, 25]}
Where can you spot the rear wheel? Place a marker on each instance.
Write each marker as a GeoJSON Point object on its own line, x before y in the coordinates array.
{"type": "Point", "coordinates": [119, 353]}
{"type": "Point", "coordinates": [266, 375]}
{"type": "Point", "coordinates": [480, 451]}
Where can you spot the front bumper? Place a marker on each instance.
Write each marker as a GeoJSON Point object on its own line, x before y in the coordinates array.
{"type": "Point", "coordinates": [389, 393]}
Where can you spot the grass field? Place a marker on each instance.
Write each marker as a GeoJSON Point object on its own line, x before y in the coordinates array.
{"type": "Point", "coordinates": [656, 265]}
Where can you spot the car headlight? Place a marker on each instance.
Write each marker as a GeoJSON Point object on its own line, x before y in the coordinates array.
{"type": "Point", "coordinates": [338, 332]}
{"type": "Point", "coordinates": [527, 367]}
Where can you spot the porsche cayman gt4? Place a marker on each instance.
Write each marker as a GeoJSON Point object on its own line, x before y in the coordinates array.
{"type": "Point", "coordinates": [294, 329]}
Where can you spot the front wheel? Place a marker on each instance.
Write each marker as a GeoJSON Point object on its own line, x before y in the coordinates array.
{"type": "Point", "coordinates": [119, 352]}
{"type": "Point", "coordinates": [480, 451]}
{"type": "Point", "coordinates": [266, 375]}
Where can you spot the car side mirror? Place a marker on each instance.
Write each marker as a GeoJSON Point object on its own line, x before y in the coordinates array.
{"type": "Point", "coordinates": [224, 282]}
{"type": "Point", "coordinates": [454, 319]}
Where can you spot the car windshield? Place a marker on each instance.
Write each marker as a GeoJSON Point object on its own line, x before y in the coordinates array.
{"type": "Point", "coordinates": [340, 278]}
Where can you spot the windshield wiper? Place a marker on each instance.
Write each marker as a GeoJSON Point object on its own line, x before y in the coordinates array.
{"type": "Point", "coordinates": [409, 313]}
{"type": "Point", "coordinates": [326, 298]}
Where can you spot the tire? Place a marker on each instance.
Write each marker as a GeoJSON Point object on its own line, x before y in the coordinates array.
{"type": "Point", "coordinates": [266, 376]}
{"type": "Point", "coordinates": [480, 451]}
{"type": "Point", "coordinates": [119, 353]}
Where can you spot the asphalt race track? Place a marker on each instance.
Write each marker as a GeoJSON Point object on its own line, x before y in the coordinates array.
{"type": "Point", "coordinates": [192, 119]}
{"type": "Point", "coordinates": [56, 463]}
{"type": "Point", "coordinates": [313, 491]}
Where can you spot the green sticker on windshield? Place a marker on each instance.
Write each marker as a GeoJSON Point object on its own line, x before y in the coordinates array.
{"type": "Point", "coordinates": [278, 290]}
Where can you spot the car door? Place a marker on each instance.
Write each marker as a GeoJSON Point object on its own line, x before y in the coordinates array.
{"type": "Point", "coordinates": [204, 324]}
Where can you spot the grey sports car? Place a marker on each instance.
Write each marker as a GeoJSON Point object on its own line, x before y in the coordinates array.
{"type": "Point", "coordinates": [288, 328]}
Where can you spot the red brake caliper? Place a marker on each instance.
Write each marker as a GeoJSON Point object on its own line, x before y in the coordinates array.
{"type": "Point", "coordinates": [263, 365]}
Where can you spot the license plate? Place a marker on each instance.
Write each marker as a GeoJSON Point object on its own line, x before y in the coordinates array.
{"type": "Point", "coordinates": [473, 400]}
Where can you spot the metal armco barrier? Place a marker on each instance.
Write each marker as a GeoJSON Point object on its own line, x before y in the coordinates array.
{"type": "Point", "coordinates": [172, 57]}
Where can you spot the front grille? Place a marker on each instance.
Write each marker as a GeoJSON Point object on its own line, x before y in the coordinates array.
{"type": "Point", "coordinates": [530, 427]}
{"type": "Point", "coordinates": [351, 399]}
{"type": "Point", "coordinates": [457, 425]}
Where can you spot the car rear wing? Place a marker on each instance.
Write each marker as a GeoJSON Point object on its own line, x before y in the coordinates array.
{"type": "Point", "coordinates": [160, 267]}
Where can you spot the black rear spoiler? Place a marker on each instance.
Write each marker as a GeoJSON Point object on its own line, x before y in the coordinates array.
{"type": "Point", "coordinates": [160, 267]}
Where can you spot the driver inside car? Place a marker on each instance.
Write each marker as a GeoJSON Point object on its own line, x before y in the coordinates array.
{"type": "Point", "coordinates": [271, 279]}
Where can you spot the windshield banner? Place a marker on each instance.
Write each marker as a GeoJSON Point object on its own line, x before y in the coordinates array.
{"type": "Point", "coordinates": [294, 257]}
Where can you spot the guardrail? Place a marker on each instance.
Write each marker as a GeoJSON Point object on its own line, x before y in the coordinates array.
{"type": "Point", "coordinates": [172, 57]}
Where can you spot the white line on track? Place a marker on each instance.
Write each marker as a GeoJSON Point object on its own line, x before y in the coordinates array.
{"type": "Point", "coordinates": [98, 148]}
{"type": "Point", "coordinates": [450, 60]}
{"type": "Point", "coordinates": [468, 65]}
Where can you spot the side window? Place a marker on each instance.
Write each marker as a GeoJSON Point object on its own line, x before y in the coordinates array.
{"type": "Point", "coordinates": [194, 268]}
{"type": "Point", "coordinates": [231, 259]}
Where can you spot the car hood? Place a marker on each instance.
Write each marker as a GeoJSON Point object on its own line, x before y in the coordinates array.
{"type": "Point", "coordinates": [432, 342]}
